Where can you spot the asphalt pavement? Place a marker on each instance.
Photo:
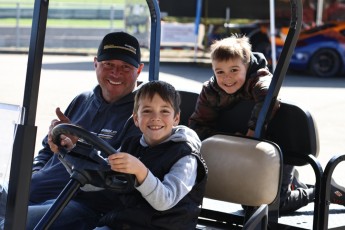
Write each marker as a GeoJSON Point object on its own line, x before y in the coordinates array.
{"type": "Point", "coordinates": [63, 77]}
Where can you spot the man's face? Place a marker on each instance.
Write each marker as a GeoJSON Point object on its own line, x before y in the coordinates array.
{"type": "Point", "coordinates": [230, 74]}
{"type": "Point", "coordinates": [116, 78]}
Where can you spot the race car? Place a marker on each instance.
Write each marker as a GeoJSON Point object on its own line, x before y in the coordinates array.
{"type": "Point", "coordinates": [320, 50]}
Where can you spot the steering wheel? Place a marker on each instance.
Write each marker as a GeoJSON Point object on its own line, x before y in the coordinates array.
{"type": "Point", "coordinates": [85, 162]}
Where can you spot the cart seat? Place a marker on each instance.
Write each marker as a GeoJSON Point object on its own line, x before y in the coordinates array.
{"type": "Point", "coordinates": [244, 171]}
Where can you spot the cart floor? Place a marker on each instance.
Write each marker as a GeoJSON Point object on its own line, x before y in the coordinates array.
{"type": "Point", "coordinates": [303, 217]}
{"type": "Point", "coordinates": [300, 219]}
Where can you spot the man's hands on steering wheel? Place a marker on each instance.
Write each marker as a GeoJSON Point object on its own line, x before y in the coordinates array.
{"type": "Point", "coordinates": [86, 163]}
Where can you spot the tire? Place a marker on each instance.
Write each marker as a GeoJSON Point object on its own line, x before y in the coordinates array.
{"type": "Point", "coordinates": [325, 63]}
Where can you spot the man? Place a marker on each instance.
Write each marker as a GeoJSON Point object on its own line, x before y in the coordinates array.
{"type": "Point", "coordinates": [103, 111]}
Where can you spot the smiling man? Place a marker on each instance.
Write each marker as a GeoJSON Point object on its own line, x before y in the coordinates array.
{"type": "Point", "coordinates": [103, 111]}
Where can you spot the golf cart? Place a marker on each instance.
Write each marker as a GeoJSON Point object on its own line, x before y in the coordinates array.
{"type": "Point", "coordinates": [296, 145]}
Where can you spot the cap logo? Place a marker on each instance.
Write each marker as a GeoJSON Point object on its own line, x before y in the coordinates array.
{"type": "Point", "coordinates": [126, 47]}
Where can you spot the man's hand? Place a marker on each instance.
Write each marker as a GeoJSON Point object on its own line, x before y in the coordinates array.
{"type": "Point", "coordinates": [66, 140]}
{"type": "Point", "coordinates": [61, 116]}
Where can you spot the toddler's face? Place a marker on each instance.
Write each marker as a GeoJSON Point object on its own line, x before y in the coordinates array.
{"type": "Point", "coordinates": [230, 74]}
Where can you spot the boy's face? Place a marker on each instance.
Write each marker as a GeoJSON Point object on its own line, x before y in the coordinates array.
{"type": "Point", "coordinates": [230, 74]}
{"type": "Point", "coordinates": [155, 118]}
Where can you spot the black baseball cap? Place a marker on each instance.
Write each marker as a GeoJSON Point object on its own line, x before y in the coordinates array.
{"type": "Point", "coordinates": [119, 46]}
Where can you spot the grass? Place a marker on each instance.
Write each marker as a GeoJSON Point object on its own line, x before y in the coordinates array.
{"type": "Point", "coordinates": [72, 1]}
{"type": "Point", "coordinates": [74, 4]}
{"type": "Point", "coordinates": [79, 2]}
{"type": "Point", "coordinates": [78, 23]}
{"type": "Point", "coordinates": [85, 23]}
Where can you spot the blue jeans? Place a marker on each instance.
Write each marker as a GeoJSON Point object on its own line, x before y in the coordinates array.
{"type": "Point", "coordinates": [74, 216]}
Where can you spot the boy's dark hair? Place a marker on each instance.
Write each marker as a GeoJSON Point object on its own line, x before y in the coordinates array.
{"type": "Point", "coordinates": [235, 46]}
{"type": "Point", "coordinates": [165, 90]}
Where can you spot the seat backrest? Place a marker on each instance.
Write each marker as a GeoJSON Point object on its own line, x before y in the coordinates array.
{"type": "Point", "coordinates": [295, 131]}
{"type": "Point", "coordinates": [188, 101]}
{"type": "Point", "coordinates": [292, 128]}
{"type": "Point", "coordinates": [242, 170]}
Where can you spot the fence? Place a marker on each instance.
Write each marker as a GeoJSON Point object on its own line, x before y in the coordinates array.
{"type": "Point", "coordinates": [134, 16]}
{"type": "Point", "coordinates": [68, 10]}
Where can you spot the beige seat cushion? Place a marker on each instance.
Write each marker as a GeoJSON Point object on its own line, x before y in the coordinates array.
{"type": "Point", "coordinates": [242, 170]}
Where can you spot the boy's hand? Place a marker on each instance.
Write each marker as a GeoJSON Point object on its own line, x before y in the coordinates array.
{"type": "Point", "coordinates": [250, 133]}
{"type": "Point", "coordinates": [126, 163]}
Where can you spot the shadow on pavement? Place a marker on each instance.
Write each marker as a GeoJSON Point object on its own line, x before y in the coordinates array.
{"type": "Point", "coordinates": [202, 72]}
